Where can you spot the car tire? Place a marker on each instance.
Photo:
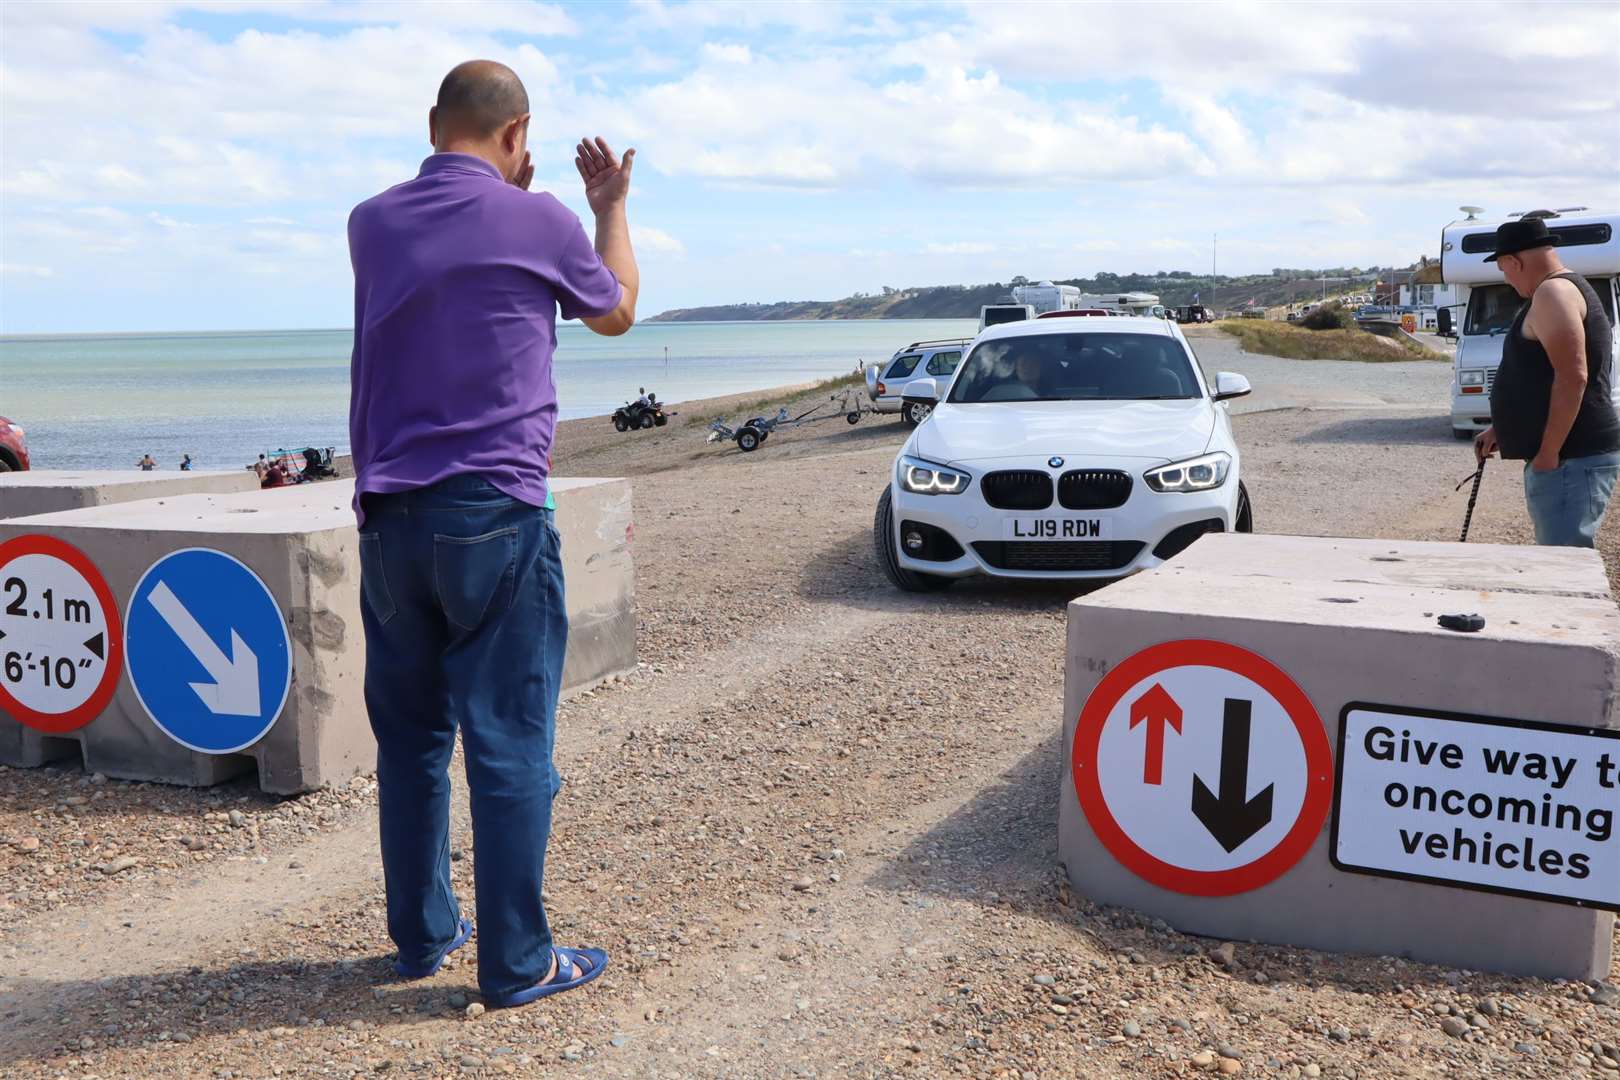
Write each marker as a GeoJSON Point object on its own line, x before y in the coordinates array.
{"type": "Point", "coordinates": [1461, 433]}
{"type": "Point", "coordinates": [646, 420]}
{"type": "Point", "coordinates": [620, 424]}
{"type": "Point", "coordinates": [1244, 523]}
{"type": "Point", "coordinates": [883, 539]}
{"type": "Point", "coordinates": [914, 413]}
{"type": "Point", "coordinates": [748, 439]}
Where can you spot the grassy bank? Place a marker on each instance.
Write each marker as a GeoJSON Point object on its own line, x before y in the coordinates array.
{"type": "Point", "coordinates": [1297, 343]}
{"type": "Point", "coordinates": [770, 401]}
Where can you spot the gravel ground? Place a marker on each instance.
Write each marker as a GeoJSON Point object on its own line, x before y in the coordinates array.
{"type": "Point", "coordinates": [807, 855]}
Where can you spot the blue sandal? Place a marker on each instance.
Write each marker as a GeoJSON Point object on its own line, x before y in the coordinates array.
{"type": "Point", "coordinates": [406, 971]}
{"type": "Point", "coordinates": [575, 968]}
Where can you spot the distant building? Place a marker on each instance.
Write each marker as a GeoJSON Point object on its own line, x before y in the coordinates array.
{"type": "Point", "coordinates": [1427, 293]}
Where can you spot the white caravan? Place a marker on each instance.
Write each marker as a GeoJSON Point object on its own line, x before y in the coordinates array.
{"type": "Point", "coordinates": [1588, 244]}
{"type": "Point", "coordinates": [1046, 297]}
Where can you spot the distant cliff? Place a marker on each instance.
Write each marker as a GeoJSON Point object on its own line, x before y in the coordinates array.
{"type": "Point", "coordinates": [963, 301]}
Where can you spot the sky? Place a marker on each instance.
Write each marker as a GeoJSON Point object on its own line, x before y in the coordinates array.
{"type": "Point", "coordinates": [191, 166]}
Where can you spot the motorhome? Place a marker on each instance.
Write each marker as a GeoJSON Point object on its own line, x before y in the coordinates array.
{"type": "Point", "coordinates": [1130, 303]}
{"type": "Point", "coordinates": [1587, 244]}
{"type": "Point", "coordinates": [1045, 296]}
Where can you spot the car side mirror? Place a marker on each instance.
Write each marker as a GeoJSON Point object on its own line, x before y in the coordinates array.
{"type": "Point", "coordinates": [1229, 384]}
{"type": "Point", "coordinates": [923, 389]}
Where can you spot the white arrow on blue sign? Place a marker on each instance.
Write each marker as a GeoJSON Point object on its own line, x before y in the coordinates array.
{"type": "Point", "coordinates": [207, 651]}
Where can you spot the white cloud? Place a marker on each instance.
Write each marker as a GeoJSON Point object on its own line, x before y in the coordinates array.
{"type": "Point", "coordinates": [645, 238]}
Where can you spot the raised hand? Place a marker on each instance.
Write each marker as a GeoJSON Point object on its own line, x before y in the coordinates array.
{"type": "Point", "coordinates": [524, 174]}
{"type": "Point", "coordinates": [607, 179]}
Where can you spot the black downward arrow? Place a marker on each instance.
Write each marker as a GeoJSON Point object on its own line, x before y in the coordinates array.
{"type": "Point", "coordinates": [1233, 817]}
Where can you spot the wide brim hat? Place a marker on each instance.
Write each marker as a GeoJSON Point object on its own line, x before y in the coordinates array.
{"type": "Point", "coordinates": [1513, 237]}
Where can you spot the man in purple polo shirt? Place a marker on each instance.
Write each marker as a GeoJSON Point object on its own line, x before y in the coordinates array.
{"type": "Point", "coordinates": [459, 276]}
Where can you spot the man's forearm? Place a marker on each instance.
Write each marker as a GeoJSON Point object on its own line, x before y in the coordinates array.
{"type": "Point", "coordinates": [613, 244]}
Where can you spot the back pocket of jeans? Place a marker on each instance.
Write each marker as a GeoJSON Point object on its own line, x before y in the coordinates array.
{"type": "Point", "coordinates": [474, 576]}
{"type": "Point", "coordinates": [374, 592]}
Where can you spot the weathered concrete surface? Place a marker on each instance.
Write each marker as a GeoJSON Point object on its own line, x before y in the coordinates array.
{"type": "Point", "coordinates": [49, 491]}
{"type": "Point", "coordinates": [1311, 607]}
{"type": "Point", "coordinates": [302, 542]}
{"type": "Point", "coordinates": [1465, 567]}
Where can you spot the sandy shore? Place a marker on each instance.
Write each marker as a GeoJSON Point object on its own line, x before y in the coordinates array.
{"type": "Point", "coordinates": [815, 829]}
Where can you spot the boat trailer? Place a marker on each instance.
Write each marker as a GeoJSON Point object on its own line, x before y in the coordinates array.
{"type": "Point", "coordinates": [750, 433]}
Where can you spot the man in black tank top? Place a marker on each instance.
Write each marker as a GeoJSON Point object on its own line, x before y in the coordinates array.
{"type": "Point", "coordinates": [1551, 405]}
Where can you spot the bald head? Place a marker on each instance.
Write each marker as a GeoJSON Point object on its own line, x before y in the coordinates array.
{"type": "Point", "coordinates": [478, 98]}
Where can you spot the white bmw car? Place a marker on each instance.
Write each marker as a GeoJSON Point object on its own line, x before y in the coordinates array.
{"type": "Point", "coordinates": [1063, 448]}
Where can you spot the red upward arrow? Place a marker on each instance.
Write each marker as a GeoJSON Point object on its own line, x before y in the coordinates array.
{"type": "Point", "coordinates": [1157, 708]}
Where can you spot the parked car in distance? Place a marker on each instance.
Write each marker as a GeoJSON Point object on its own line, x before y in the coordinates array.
{"type": "Point", "coordinates": [1069, 448]}
{"type": "Point", "coordinates": [886, 382]}
{"type": "Point", "coordinates": [13, 447]}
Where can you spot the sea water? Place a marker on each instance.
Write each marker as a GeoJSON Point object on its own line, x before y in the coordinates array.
{"type": "Point", "coordinates": [103, 400]}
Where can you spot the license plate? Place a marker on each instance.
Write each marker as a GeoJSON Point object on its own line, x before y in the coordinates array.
{"type": "Point", "coordinates": [1057, 528]}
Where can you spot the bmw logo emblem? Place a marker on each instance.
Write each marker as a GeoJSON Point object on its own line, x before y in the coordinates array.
{"type": "Point", "coordinates": [1055, 462]}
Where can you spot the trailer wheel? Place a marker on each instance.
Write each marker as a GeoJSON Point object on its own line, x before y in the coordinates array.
{"type": "Point", "coordinates": [1245, 511]}
{"type": "Point", "coordinates": [748, 439]}
{"type": "Point", "coordinates": [853, 417]}
{"type": "Point", "coordinates": [883, 539]}
{"type": "Point", "coordinates": [619, 424]}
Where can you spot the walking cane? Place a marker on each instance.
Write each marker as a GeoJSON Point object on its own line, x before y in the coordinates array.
{"type": "Point", "coordinates": [1473, 495]}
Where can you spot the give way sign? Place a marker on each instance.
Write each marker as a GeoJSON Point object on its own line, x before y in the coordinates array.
{"type": "Point", "coordinates": [1202, 767]}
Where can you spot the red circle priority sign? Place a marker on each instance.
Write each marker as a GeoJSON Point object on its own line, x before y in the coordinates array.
{"type": "Point", "coordinates": [1202, 767]}
{"type": "Point", "coordinates": [61, 645]}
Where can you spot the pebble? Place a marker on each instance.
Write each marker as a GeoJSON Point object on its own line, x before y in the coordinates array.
{"type": "Point", "coordinates": [1313, 1070]}
{"type": "Point", "coordinates": [120, 864]}
{"type": "Point", "coordinates": [1340, 1034]}
{"type": "Point", "coordinates": [1230, 1066]}
{"type": "Point", "coordinates": [803, 885]}
{"type": "Point", "coordinates": [1131, 1030]}
{"type": "Point", "coordinates": [1045, 980]}
{"type": "Point", "coordinates": [458, 1000]}
{"type": "Point", "coordinates": [1605, 994]}
{"type": "Point", "coordinates": [1524, 1048]}
{"type": "Point", "coordinates": [620, 1041]}
{"type": "Point", "coordinates": [1224, 954]}
{"type": "Point", "coordinates": [1204, 1059]}
{"type": "Point", "coordinates": [1227, 1050]}
{"type": "Point", "coordinates": [192, 843]}
{"type": "Point", "coordinates": [468, 1061]}
{"type": "Point", "coordinates": [1489, 1007]}
{"type": "Point", "coordinates": [475, 1010]}
{"type": "Point", "coordinates": [238, 819]}
{"type": "Point", "coordinates": [1454, 1026]}
{"type": "Point", "coordinates": [27, 845]}
{"type": "Point", "coordinates": [1181, 1024]}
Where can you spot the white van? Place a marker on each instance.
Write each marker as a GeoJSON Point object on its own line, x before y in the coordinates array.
{"type": "Point", "coordinates": [1045, 296]}
{"type": "Point", "coordinates": [1589, 244]}
{"type": "Point", "coordinates": [996, 314]}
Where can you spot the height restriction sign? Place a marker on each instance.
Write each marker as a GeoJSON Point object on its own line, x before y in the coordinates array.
{"type": "Point", "coordinates": [61, 648]}
{"type": "Point", "coordinates": [1202, 767]}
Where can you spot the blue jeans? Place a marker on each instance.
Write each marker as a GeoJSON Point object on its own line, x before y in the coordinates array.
{"type": "Point", "coordinates": [1567, 503]}
{"type": "Point", "coordinates": [465, 626]}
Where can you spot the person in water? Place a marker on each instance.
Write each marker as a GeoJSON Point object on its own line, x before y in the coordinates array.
{"type": "Point", "coordinates": [147, 463]}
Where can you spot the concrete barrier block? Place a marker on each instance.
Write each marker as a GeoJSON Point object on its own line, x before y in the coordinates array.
{"type": "Point", "coordinates": [301, 542]}
{"type": "Point", "coordinates": [49, 491]}
{"type": "Point", "coordinates": [1345, 627]}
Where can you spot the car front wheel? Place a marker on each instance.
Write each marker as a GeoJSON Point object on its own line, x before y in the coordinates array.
{"type": "Point", "coordinates": [888, 558]}
{"type": "Point", "coordinates": [915, 412]}
{"type": "Point", "coordinates": [1245, 511]}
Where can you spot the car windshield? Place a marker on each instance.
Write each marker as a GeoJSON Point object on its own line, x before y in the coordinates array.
{"type": "Point", "coordinates": [1491, 309]}
{"type": "Point", "coordinates": [1075, 367]}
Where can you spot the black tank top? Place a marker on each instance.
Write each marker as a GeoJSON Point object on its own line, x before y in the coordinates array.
{"type": "Point", "coordinates": [1523, 390]}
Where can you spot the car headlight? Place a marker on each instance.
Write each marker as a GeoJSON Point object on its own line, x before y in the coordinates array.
{"type": "Point", "coordinates": [1471, 377]}
{"type": "Point", "coordinates": [925, 478]}
{"type": "Point", "coordinates": [1195, 474]}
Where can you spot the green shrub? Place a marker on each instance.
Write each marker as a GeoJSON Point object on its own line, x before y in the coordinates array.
{"type": "Point", "coordinates": [1328, 317]}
